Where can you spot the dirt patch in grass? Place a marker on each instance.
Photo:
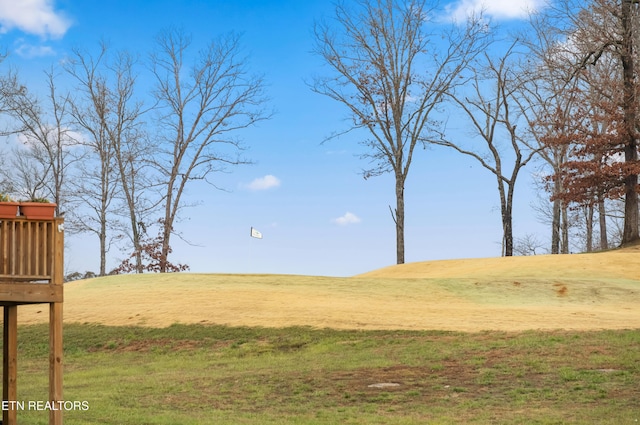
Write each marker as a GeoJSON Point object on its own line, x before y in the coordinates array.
{"type": "Point", "coordinates": [148, 345]}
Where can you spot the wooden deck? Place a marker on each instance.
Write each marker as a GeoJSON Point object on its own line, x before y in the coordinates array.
{"type": "Point", "coordinates": [31, 271]}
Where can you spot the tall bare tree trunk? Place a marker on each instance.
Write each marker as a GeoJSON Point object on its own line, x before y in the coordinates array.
{"type": "Point", "coordinates": [102, 236]}
{"type": "Point", "coordinates": [398, 218]}
{"type": "Point", "coordinates": [555, 227]}
{"type": "Point", "coordinates": [602, 218]}
{"type": "Point", "coordinates": [565, 229]}
{"type": "Point", "coordinates": [167, 229]}
{"type": "Point", "coordinates": [589, 222]}
{"type": "Point", "coordinates": [631, 213]}
{"type": "Point", "coordinates": [506, 209]}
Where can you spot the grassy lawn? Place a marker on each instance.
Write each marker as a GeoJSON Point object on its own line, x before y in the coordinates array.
{"type": "Point", "coordinates": [200, 374]}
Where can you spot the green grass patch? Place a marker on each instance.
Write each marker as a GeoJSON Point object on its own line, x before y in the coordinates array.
{"type": "Point", "coordinates": [196, 374]}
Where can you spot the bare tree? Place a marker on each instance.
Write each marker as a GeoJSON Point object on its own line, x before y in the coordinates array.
{"type": "Point", "coordinates": [549, 111]}
{"type": "Point", "coordinates": [22, 176]}
{"type": "Point", "coordinates": [10, 86]}
{"type": "Point", "coordinates": [555, 214]}
{"type": "Point", "coordinates": [547, 99]}
{"type": "Point", "coordinates": [391, 74]}
{"type": "Point", "coordinates": [202, 106]}
{"type": "Point", "coordinates": [97, 183]}
{"type": "Point", "coordinates": [109, 84]}
{"type": "Point", "coordinates": [43, 126]}
{"type": "Point", "coordinates": [529, 244]}
{"type": "Point", "coordinates": [494, 115]}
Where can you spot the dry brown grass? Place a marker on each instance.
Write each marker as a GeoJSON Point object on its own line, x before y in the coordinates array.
{"type": "Point", "coordinates": [619, 263]}
{"type": "Point", "coordinates": [581, 291]}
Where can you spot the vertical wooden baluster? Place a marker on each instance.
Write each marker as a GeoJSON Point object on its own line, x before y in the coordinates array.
{"type": "Point", "coordinates": [10, 362]}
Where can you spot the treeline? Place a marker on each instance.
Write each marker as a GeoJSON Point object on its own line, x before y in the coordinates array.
{"type": "Point", "coordinates": [560, 94]}
{"type": "Point", "coordinates": [117, 156]}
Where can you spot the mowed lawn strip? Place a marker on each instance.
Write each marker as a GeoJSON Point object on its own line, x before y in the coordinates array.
{"type": "Point", "coordinates": [204, 374]}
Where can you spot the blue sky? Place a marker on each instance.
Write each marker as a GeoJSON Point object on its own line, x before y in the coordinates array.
{"type": "Point", "coordinates": [317, 214]}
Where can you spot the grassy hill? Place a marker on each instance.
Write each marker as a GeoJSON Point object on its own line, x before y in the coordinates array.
{"type": "Point", "coordinates": [264, 370]}
{"type": "Point", "coordinates": [580, 291]}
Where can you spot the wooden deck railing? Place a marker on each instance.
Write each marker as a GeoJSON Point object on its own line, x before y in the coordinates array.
{"type": "Point", "coordinates": [30, 253]}
{"type": "Point", "coordinates": [31, 271]}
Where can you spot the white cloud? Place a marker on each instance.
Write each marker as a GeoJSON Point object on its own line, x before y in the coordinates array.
{"type": "Point", "coordinates": [348, 218]}
{"type": "Point", "coordinates": [498, 9]}
{"type": "Point", "coordinates": [36, 17]}
{"type": "Point", "coordinates": [264, 183]}
{"type": "Point", "coordinates": [29, 51]}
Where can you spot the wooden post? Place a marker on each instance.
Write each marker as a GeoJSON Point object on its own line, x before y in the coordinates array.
{"type": "Point", "coordinates": [10, 365]}
{"type": "Point", "coordinates": [55, 326]}
{"type": "Point", "coordinates": [55, 362]}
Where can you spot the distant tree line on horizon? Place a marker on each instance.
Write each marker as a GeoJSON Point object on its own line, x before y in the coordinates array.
{"type": "Point", "coordinates": [116, 155]}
